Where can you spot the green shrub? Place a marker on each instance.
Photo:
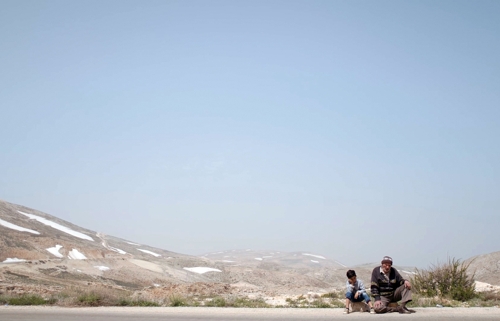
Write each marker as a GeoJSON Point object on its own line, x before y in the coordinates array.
{"type": "Point", "coordinates": [331, 295]}
{"type": "Point", "coordinates": [216, 302]}
{"type": "Point", "coordinates": [90, 299]}
{"type": "Point", "coordinates": [448, 280]}
{"type": "Point", "coordinates": [27, 300]}
{"type": "Point", "coordinates": [177, 301]}
{"type": "Point", "coordinates": [247, 303]}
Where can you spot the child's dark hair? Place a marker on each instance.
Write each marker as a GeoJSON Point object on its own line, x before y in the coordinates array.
{"type": "Point", "coordinates": [350, 274]}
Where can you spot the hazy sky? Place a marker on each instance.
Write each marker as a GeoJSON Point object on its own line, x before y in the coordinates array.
{"type": "Point", "coordinates": [349, 129]}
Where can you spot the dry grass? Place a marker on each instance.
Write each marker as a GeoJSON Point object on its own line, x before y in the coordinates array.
{"type": "Point", "coordinates": [97, 295]}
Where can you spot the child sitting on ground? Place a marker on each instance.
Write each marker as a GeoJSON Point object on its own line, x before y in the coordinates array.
{"type": "Point", "coordinates": [356, 292]}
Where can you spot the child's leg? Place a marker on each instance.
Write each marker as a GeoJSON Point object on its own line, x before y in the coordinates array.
{"type": "Point", "coordinates": [366, 298]}
{"type": "Point", "coordinates": [348, 298]}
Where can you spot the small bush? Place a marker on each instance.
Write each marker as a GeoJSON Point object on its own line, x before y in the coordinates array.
{"type": "Point", "coordinates": [449, 280]}
{"type": "Point", "coordinates": [331, 295]}
{"type": "Point", "coordinates": [90, 299]}
{"type": "Point", "coordinates": [216, 302]}
{"type": "Point", "coordinates": [32, 299]}
{"type": "Point", "coordinates": [247, 303]}
{"type": "Point", "coordinates": [177, 301]}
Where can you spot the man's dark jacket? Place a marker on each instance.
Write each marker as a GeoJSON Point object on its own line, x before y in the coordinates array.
{"type": "Point", "coordinates": [381, 287]}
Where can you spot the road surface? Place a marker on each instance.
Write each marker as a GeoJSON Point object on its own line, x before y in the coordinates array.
{"type": "Point", "coordinates": [15, 313]}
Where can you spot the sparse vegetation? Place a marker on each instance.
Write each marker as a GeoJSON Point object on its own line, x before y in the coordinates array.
{"type": "Point", "coordinates": [31, 299]}
{"type": "Point", "coordinates": [320, 303]}
{"type": "Point", "coordinates": [90, 299]}
{"type": "Point", "coordinates": [249, 303]}
{"type": "Point", "coordinates": [447, 285]}
{"type": "Point", "coordinates": [137, 303]}
{"type": "Point", "coordinates": [95, 298]}
{"type": "Point", "coordinates": [327, 300]}
{"type": "Point", "coordinates": [445, 281]}
{"type": "Point", "coordinates": [216, 302]}
{"type": "Point", "coordinates": [178, 301]}
{"type": "Point", "coordinates": [332, 295]}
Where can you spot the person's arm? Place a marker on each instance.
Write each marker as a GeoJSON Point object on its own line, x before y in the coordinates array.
{"type": "Point", "coordinates": [349, 287]}
{"type": "Point", "coordinates": [400, 280]}
{"type": "Point", "coordinates": [374, 287]}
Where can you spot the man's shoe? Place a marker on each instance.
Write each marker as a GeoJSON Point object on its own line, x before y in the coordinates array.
{"type": "Point", "coordinates": [346, 311]}
{"type": "Point", "coordinates": [403, 310]}
{"type": "Point", "coordinates": [372, 311]}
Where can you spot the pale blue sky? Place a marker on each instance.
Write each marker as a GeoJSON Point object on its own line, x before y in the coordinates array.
{"type": "Point", "coordinates": [350, 129]}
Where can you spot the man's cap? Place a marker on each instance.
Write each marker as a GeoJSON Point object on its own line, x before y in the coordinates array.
{"type": "Point", "coordinates": [387, 259]}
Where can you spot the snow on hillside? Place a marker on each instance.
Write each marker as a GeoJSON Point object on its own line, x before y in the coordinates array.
{"type": "Point", "coordinates": [57, 226]}
{"type": "Point", "coordinates": [16, 227]}
{"type": "Point", "coordinates": [201, 270]}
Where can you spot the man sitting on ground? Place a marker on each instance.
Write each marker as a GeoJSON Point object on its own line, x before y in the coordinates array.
{"type": "Point", "coordinates": [388, 286]}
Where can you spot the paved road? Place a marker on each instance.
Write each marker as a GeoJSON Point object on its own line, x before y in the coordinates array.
{"type": "Point", "coordinates": [12, 313]}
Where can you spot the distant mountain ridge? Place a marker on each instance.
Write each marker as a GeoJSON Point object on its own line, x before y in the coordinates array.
{"type": "Point", "coordinates": [40, 252]}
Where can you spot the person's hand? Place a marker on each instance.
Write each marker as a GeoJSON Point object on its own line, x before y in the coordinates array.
{"type": "Point", "coordinates": [356, 295]}
{"type": "Point", "coordinates": [408, 285]}
{"type": "Point", "coordinates": [378, 304]}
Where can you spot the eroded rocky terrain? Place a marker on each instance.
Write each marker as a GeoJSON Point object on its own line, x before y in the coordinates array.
{"type": "Point", "coordinates": [43, 254]}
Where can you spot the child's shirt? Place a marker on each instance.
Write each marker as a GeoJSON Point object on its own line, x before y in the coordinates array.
{"type": "Point", "coordinates": [358, 286]}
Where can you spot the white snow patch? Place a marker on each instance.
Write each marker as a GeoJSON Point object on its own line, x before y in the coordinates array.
{"type": "Point", "coordinates": [133, 243]}
{"type": "Point", "coordinates": [117, 250]}
{"type": "Point", "coordinates": [156, 285]}
{"type": "Point", "coordinates": [75, 255]}
{"type": "Point", "coordinates": [114, 249]}
{"type": "Point", "coordinates": [13, 260]}
{"type": "Point", "coordinates": [201, 270]}
{"type": "Point", "coordinates": [227, 261]}
{"type": "Point", "coordinates": [258, 258]}
{"type": "Point", "coordinates": [58, 226]}
{"type": "Point", "coordinates": [314, 261]}
{"type": "Point", "coordinates": [317, 256]}
{"type": "Point", "coordinates": [408, 272]}
{"type": "Point", "coordinates": [102, 267]}
{"type": "Point", "coordinates": [55, 250]}
{"type": "Point", "coordinates": [149, 252]}
{"type": "Point", "coordinates": [16, 227]}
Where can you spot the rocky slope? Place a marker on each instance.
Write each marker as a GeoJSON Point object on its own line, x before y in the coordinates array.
{"type": "Point", "coordinates": [44, 254]}
{"type": "Point", "coordinates": [486, 267]}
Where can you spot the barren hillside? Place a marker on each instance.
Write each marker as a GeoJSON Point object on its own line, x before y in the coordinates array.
{"type": "Point", "coordinates": [44, 254]}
